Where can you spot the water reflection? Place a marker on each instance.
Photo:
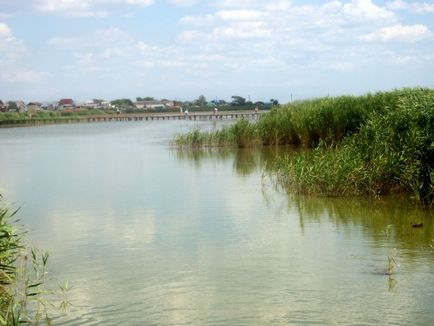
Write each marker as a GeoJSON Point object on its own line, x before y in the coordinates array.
{"type": "Point", "coordinates": [150, 236]}
{"type": "Point", "coordinates": [391, 218]}
{"type": "Point", "coordinates": [245, 161]}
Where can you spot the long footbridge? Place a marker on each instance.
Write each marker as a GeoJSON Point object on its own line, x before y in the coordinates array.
{"type": "Point", "coordinates": [149, 116]}
{"type": "Point", "coordinates": [223, 115]}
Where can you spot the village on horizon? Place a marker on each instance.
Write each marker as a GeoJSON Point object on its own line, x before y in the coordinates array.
{"type": "Point", "coordinates": [146, 103]}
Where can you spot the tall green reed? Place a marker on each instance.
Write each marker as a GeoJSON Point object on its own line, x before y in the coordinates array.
{"type": "Point", "coordinates": [375, 144]}
{"type": "Point", "coordinates": [23, 277]}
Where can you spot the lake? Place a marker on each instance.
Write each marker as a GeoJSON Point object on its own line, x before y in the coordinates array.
{"type": "Point", "coordinates": [150, 235]}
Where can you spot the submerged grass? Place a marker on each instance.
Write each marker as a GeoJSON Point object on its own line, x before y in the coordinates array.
{"type": "Point", "coordinates": [376, 144]}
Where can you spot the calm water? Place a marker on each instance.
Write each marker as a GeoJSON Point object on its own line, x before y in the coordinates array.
{"type": "Point", "coordinates": [148, 235]}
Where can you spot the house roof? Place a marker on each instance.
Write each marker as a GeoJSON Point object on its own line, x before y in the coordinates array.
{"type": "Point", "coordinates": [66, 101]}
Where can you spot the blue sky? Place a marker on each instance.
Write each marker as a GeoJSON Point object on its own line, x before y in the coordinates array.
{"type": "Point", "coordinates": [180, 49]}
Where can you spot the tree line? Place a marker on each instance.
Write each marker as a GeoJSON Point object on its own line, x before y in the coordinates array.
{"type": "Point", "coordinates": [201, 101]}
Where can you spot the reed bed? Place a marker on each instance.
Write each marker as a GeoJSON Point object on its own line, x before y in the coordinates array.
{"type": "Point", "coordinates": [392, 153]}
{"type": "Point", "coordinates": [304, 123]}
{"type": "Point", "coordinates": [375, 144]}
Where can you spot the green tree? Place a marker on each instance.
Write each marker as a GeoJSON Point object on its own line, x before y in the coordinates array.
{"type": "Point", "coordinates": [200, 101]}
{"type": "Point", "coordinates": [238, 100]}
{"type": "Point", "coordinates": [123, 103]}
{"type": "Point", "coordinates": [12, 106]}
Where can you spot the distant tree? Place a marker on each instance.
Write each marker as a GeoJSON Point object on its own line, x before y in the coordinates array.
{"type": "Point", "coordinates": [200, 101]}
{"type": "Point", "coordinates": [186, 104]}
{"type": "Point", "coordinates": [12, 106]}
{"type": "Point", "coordinates": [274, 101]}
{"type": "Point", "coordinates": [238, 100]}
{"type": "Point", "coordinates": [147, 98]}
{"type": "Point", "coordinates": [217, 102]}
{"type": "Point", "coordinates": [123, 103]}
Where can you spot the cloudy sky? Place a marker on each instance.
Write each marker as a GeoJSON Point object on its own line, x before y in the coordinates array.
{"type": "Point", "coordinates": [180, 49]}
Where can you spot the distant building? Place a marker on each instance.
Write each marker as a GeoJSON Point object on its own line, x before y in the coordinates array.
{"type": "Point", "coordinates": [66, 103]}
{"type": "Point", "coordinates": [170, 104]}
{"type": "Point", "coordinates": [34, 106]}
{"type": "Point", "coordinates": [17, 106]}
{"type": "Point", "coordinates": [95, 104]}
{"type": "Point", "coordinates": [149, 105]}
{"type": "Point", "coordinates": [22, 107]}
{"type": "Point", "coordinates": [49, 106]}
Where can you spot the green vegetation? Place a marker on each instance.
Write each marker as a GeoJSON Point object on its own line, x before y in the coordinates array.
{"type": "Point", "coordinates": [123, 103]}
{"type": "Point", "coordinates": [23, 118]}
{"type": "Point", "coordinates": [376, 144]}
{"type": "Point", "coordinates": [22, 277]}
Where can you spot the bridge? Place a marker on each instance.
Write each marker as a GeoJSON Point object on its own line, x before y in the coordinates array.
{"type": "Point", "coordinates": [223, 115]}
{"type": "Point", "coordinates": [148, 116]}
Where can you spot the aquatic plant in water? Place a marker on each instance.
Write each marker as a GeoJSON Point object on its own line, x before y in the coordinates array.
{"type": "Point", "coordinates": [372, 145]}
{"type": "Point", "coordinates": [23, 274]}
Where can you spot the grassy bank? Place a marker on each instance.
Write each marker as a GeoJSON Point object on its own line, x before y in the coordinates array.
{"type": "Point", "coordinates": [22, 118]}
{"type": "Point", "coordinates": [376, 144]}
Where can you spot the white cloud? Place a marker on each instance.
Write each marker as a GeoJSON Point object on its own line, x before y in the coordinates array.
{"type": "Point", "coordinates": [63, 41]}
{"type": "Point", "coordinates": [366, 10]}
{"type": "Point", "coordinates": [86, 8]}
{"type": "Point", "coordinates": [22, 75]}
{"type": "Point", "coordinates": [143, 3]}
{"type": "Point", "coordinates": [237, 36]}
{"type": "Point", "coordinates": [11, 49]}
{"type": "Point", "coordinates": [411, 33]}
{"type": "Point", "coordinates": [99, 38]}
{"type": "Point", "coordinates": [417, 7]}
{"type": "Point", "coordinates": [197, 21]}
{"type": "Point", "coordinates": [397, 5]}
{"type": "Point", "coordinates": [5, 32]}
{"type": "Point", "coordinates": [231, 15]}
{"type": "Point", "coordinates": [342, 66]}
{"type": "Point", "coordinates": [279, 5]}
{"type": "Point", "coordinates": [254, 36]}
{"type": "Point", "coordinates": [241, 4]}
{"type": "Point", "coordinates": [190, 36]}
{"type": "Point", "coordinates": [242, 30]}
{"type": "Point", "coordinates": [81, 8]}
{"type": "Point", "coordinates": [14, 66]}
{"type": "Point", "coordinates": [110, 53]}
{"type": "Point", "coordinates": [184, 3]}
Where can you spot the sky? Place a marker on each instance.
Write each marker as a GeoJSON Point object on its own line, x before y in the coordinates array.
{"type": "Point", "coordinates": [181, 49]}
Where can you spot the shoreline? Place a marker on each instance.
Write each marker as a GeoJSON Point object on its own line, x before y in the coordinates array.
{"type": "Point", "coordinates": [195, 115]}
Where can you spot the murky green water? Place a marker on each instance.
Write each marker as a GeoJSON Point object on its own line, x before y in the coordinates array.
{"type": "Point", "coordinates": [148, 235]}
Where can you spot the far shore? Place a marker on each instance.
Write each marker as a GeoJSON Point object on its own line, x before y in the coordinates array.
{"type": "Point", "coordinates": [53, 117]}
